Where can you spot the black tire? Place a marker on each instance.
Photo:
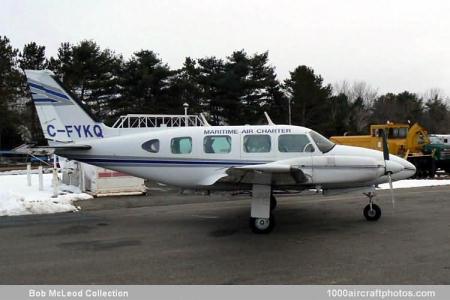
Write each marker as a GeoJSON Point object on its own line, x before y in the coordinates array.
{"type": "Point", "coordinates": [273, 202]}
{"type": "Point", "coordinates": [259, 228]}
{"type": "Point", "coordinates": [374, 214]}
{"type": "Point", "coordinates": [432, 169]}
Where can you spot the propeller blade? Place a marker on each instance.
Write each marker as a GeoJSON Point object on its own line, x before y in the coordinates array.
{"type": "Point", "coordinates": [385, 145]}
{"type": "Point", "coordinates": [392, 190]}
{"type": "Point", "coordinates": [386, 157]}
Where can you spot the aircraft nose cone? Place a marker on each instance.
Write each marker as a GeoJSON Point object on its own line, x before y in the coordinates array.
{"type": "Point", "coordinates": [394, 167]}
{"type": "Point", "coordinates": [409, 168]}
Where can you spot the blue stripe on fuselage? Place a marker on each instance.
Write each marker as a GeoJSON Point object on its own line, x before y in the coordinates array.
{"type": "Point", "coordinates": [165, 162]}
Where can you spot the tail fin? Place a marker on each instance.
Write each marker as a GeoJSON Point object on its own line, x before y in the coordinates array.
{"type": "Point", "coordinates": [62, 117]}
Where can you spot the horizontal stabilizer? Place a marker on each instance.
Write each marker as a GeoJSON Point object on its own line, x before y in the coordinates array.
{"type": "Point", "coordinates": [47, 150]}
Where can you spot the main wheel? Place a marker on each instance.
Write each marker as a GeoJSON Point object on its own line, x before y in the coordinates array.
{"type": "Point", "coordinates": [273, 202]}
{"type": "Point", "coordinates": [262, 225]}
{"type": "Point", "coordinates": [372, 214]}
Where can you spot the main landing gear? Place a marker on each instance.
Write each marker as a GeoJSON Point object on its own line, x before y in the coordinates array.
{"type": "Point", "coordinates": [262, 219]}
{"type": "Point", "coordinates": [262, 225]}
{"type": "Point", "coordinates": [273, 202]}
{"type": "Point", "coordinates": [372, 212]}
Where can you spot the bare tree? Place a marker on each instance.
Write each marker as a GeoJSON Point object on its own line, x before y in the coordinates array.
{"type": "Point", "coordinates": [361, 97]}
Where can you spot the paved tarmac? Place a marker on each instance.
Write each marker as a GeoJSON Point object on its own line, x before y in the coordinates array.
{"type": "Point", "coordinates": [173, 239]}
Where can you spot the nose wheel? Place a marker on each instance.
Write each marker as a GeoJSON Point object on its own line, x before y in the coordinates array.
{"type": "Point", "coordinates": [372, 212]}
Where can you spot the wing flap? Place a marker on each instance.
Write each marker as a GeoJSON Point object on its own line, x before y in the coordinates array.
{"type": "Point", "coordinates": [281, 172]}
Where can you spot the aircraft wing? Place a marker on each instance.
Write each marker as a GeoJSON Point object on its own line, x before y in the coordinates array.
{"type": "Point", "coordinates": [284, 172]}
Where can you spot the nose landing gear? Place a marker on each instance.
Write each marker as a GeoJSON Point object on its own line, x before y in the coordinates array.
{"type": "Point", "coordinates": [372, 212]}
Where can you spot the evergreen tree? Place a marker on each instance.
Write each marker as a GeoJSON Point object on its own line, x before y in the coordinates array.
{"type": "Point", "coordinates": [10, 91]}
{"type": "Point", "coordinates": [238, 90]}
{"type": "Point", "coordinates": [436, 115]}
{"type": "Point", "coordinates": [309, 98]}
{"type": "Point", "coordinates": [339, 115]}
{"type": "Point", "coordinates": [185, 87]}
{"type": "Point", "coordinates": [411, 107]}
{"type": "Point", "coordinates": [32, 57]}
{"type": "Point", "coordinates": [146, 81]}
{"type": "Point", "coordinates": [211, 74]}
{"type": "Point", "coordinates": [90, 73]}
{"type": "Point", "coordinates": [399, 108]}
{"type": "Point", "coordinates": [263, 92]}
{"type": "Point", "coordinates": [359, 116]}
{"type": "Point", "coordinates": [235, 90]}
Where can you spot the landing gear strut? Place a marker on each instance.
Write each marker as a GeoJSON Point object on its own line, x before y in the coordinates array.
{"type": "Point", "coordinates": [263, 202]}
{"type": "Point", "coordinates": [372, 212]}
{"type": "Point", "coordinates": [265, 225]}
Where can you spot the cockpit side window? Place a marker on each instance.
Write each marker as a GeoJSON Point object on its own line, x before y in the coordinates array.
{"type": "Point", "coordinates": [322, 142]}
{"type": "Point", "coordinates": [294, 143]}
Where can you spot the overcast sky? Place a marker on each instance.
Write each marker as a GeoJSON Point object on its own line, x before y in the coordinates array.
{"type": "Point", "coordinates": [391, 44]}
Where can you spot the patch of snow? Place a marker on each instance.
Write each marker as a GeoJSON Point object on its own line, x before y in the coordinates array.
{"type": "Point", "coordinates": [16, 198]}
{"type": "Point", "coordinates": [411, 183]}
{"type": "Point", "coordinates": [22, 172]}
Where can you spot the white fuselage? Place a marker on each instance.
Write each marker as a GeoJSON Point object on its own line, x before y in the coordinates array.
{"type": "Point", "coordinates": [184, 156]}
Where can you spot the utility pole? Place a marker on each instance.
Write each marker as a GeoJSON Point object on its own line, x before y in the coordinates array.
{"type": "Point", "coordinates": [289, 110]}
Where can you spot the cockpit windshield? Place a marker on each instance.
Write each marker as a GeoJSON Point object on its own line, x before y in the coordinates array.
{"type": "Point", "coordinates": [322, 142]}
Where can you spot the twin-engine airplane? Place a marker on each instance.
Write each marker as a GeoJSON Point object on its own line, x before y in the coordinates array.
{"type": "Point", "coordinates": [256, 158]}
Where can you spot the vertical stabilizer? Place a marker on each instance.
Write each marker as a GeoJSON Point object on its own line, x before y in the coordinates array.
{"type": "Point", "coordinates": [62, 117]}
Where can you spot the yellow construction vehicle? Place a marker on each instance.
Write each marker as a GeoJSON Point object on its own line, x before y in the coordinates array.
{"type": "Point", "coordinates": [409, 142]}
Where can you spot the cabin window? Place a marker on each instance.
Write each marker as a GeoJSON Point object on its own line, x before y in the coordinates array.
{"type": "Point", "coordinates": [151, 146]}
{"type": "Point", "coordinates": [258, 143]}
{"type": "Point", "coordinates": [181, 145]}
{"type": "Point", "coordinates": [217, 144]}
{"type": "Point", "coordinates": [294, 143]}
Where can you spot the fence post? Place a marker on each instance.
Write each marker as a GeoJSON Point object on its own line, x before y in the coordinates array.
{"type": "Point", "coordinates": [41, 179]}
{"type": "Point", "coordinates": [29, 174]}
{"type": "Point", "coordinates": [55, 183]}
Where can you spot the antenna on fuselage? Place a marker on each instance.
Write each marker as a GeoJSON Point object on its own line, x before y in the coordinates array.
{"type": "Point", "coordinates": [205, 123]}
{"type": "Point", "coordinates": [269, 120]}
